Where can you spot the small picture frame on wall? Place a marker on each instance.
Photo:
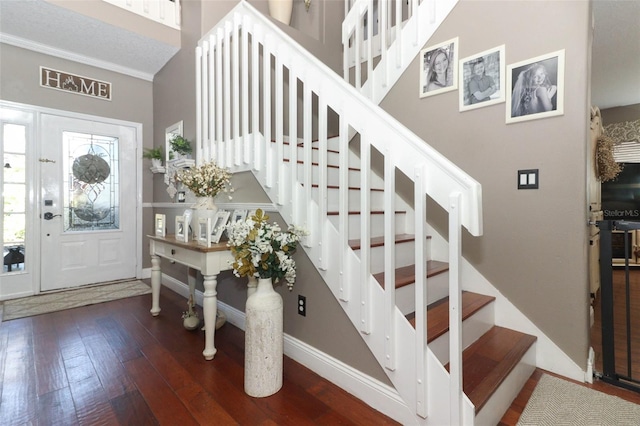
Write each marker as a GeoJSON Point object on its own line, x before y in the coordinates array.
{"type": "Point", "coordinates": [535, 88]}
{"type": "Point", "coordinates": [222, 217]}
{"type": "Point", "coordinates": [482, 79]}
{"type": "Point", "coordinates": [160, 227]}
{"type": "Point", "coordinates": [182, 230]}
{"type": "Point", "coordinates": [204, 231]}
{"type": "Point", "coordinates": [439, 68]}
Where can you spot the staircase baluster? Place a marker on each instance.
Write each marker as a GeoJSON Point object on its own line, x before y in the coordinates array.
{"type": "Point", "coordinates": [455, 312]}
{"type": "Point", "coordinates": [322, 181]}
{"type": "Point", "coordinates": [219, 95]}
{"type": "Point", "coordinates": [343, 218]}
{"type": "Point", "coordinates": [279, 109]}
{"type": "Point", "coordinates": [235, 45]}
{"type": "Point", "coordinates": [293, 144]}
{"type": "Point", "coordinates": [307, 114]}
{"type": "Point", "coordinates": [390, 259]}
{"type": "Point", "coordinates": [421, 290]}
{"type": "Point", "coordinates": [244, 39]}
{"type": "Point", "coordinates": [266, 109]}
{"type": "Point", "coordinates": [226, 60]}
{"type": "Point", "coordinates": [255, 98]}
{"type": "Point", "coordinates": [365, 234]}
{"type": "Point", "coordinates": [199, 100]}
{"type": "Point", "coordinates": [202, 136]}
{"type": "Point", "coordinates": [208, 139]}
{"type": "Point", "coordinates": [372, 24]}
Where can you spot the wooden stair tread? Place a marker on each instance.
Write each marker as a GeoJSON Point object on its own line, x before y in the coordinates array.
{"type": "Point", "coordinates": [489, 360]}
{"type": "Point", "coordinates": [406, 274]}
{"type": "Point", "coordinates": [438, 312]}
{"type": "Point", "coordinates": [379, 241]}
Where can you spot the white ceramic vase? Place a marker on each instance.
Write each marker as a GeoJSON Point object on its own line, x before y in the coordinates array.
{"type": "Point", "coordinates": [203, 207]}
{"type": "Point", "coordinates": [264, 341]}
{"type": "Point", "coordinates": [281, 10]}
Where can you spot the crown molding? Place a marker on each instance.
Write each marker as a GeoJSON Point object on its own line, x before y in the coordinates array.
{"type": "Point", "coordinates": [71, 56]}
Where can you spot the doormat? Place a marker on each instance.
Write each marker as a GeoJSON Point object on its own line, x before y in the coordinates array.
{"type": "Point", "coordinates": [52, 302]}
{"type": "Point", "coordinates": [559, 402]}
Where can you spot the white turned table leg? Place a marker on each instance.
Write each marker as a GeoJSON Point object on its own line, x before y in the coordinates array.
{"type": "Point", "coordinates": [156, 276]}
{"type": "Point", "coordinates": [209, 308]}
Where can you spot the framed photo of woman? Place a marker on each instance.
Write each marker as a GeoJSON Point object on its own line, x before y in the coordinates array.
{"type": "Point", "coordinates": [482, 79]}
{"type": "Point", "coordinates": [439, 68]}
{"type": "Point", "coordinates": [535, 88]}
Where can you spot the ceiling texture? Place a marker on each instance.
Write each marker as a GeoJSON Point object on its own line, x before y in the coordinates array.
{"type": "Point", "coordinates": [42, 26]}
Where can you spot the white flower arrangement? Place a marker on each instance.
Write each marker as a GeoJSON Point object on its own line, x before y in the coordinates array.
{"type": "Point", "coordinates": [262, 250]}
{"type": "Point", "coordinates": [206, 180]}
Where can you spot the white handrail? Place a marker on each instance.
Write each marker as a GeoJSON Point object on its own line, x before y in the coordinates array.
{"type": "Point", "coordinates": [243, 131]}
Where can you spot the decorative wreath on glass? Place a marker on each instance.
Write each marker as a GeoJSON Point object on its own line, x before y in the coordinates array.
{"type": "Point", "coordinates": [206, 180]}
{"type": "Point", "coordinates": [263, 250]}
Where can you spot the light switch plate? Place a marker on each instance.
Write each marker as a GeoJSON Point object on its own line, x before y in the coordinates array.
{"type": "Point", "coordinates": [528, 179]}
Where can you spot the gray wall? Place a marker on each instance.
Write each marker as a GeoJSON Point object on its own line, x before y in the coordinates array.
{"type": "Point", "coordinates": [534, 244]}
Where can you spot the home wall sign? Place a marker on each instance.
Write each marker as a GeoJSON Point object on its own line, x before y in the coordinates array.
{"type": "Point", "coordinates": [61, 80]}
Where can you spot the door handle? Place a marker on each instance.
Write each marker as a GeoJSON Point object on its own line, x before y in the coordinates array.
{"type": "Point", "coordinates": [49, 215]}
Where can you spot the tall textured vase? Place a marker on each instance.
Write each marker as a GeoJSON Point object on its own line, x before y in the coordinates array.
{"type": "Point", "coordinates": [264, 341]}
{"type": "Point", "coordinates": [203, 207]}
{"type": "Point", "coordinates": [281, 10]}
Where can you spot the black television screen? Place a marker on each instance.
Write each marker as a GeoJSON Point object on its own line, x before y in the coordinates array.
{"type": "Point", "coordinates": [621, 197]}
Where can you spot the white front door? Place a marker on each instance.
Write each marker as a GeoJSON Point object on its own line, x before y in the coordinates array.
{"type": "Point", "coordinates": [88, 202]}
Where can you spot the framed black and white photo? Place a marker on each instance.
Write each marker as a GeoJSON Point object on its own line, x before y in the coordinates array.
{"type": "Point", "coordinates": [238, 215]}
{"type": "Point", "coordinates": [222, 217]}
{"type": "Point", "coordinates": [439, 68]}
{"type": "Point", "coordinates": [535, 88]}
{"type": "Point", "coordinates": [160, 221]}
{"type": "Point", "coordinates": [182, 232]}
{"type": "Point", "coordinates": [204, 231]}
{"type": "Point", "coordinates": [482, 79]}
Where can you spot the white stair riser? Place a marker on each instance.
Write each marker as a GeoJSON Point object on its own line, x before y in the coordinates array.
{"type": "Point", "coordinates": [333, 176]}
{"type": "Point", "coordinates": [333, 156]}
{"type": "Point", "coordinates": [472, 328]}
{"type": "Point", "coordinates": [405, 256]}
{"type": "Point", "coordinates": [438, 287]}
{"type": "Point", "coordinates": [502, 398]}
{"type": "Point", "coordinates": [333, 195]}
{"type": "Point", "coordinates": [377, 224]}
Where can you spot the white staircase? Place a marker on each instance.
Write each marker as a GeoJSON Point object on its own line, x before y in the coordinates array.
{"type": "Point", "coordinates": [375, 56]}
{"type": "Point", "coordinates": [258, 91]}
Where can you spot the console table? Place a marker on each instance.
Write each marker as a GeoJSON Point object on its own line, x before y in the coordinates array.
{"type": "Point", "coordinates": [208, 260]}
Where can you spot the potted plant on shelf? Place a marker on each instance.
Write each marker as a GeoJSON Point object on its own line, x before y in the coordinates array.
{"type": "Point", "coordinates": [155, 155]}
{"type": "Point", "coordinates": [179, 146]}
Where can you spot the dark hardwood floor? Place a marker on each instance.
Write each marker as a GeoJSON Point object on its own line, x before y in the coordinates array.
{"type": "Point", "coordinates": [113, 363]}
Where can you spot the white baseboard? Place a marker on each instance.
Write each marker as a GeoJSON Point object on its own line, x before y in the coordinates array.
{"type": "Point", "coordinates": [371, 391]}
